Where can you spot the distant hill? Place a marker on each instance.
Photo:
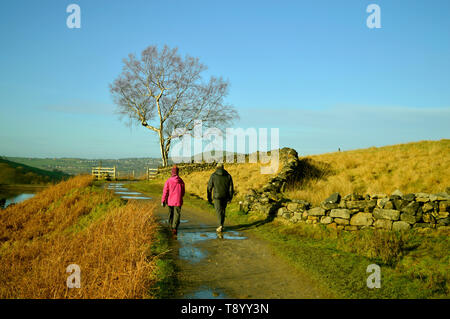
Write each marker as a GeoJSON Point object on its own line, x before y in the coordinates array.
{"type": "Point", "coordinates": [17, 173]}
{"type": "Point", "coordinates": [75, 166]}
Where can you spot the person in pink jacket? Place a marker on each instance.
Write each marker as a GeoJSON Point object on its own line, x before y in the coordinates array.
{"type": "Point", "coordinates": [172, 196]}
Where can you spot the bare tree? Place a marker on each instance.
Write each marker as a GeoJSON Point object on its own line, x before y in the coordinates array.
{"type": "Point", "coordinates": [166, 93]}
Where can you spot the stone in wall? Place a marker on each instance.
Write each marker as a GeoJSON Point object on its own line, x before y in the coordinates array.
{"type": "Point", "coordinates": [316, 211]}
{"type": "Point", "coordinates": [362, 219]}
{"type": "Point", "coordinates": [353, 197]}
{"type": "Point", "coordinates": [390, 214]}
{"type": "Point", "coordinates": [427, 207]}
{"type": "Point", "coordinates": [382, 202]}
{"type": "Point", "coordinates": [397, 192]}
{"type": "Point", "coordinates": [443, 221]}
{"type": "Point", "coordinates": [341, 213]}
{"type": "Point", "coordinates": [400, 226]}
{"type": "Point", "coordinates": [411, 209]}
{"type": "Point", "coordinates": [333, 199]}
{"type": "Point", "coordinates": [331, 202]}
{"type": "Point", "coordinates": [356, 204]}
{"type": "Point", "coordinates": [410, 219]}
{"type": "Point", "coordinates": [399, 203]}
{"type": "Point", "coordinates": [409, 197]}
{"type": "Point", "coordinates": [326, 220]}
{"type": "Point", "coordinates": [383, 224]}
{"type": "Point", "coordinates": [444, 206]}
{"type": "Point", "coordinates": [281, 211]}
{"type": "Point", "coordinates": [378, 196]}
{"type": "Point", "coordinates": [298, 206]}
{"type": "Point", "coordinates": [422, 197]}
{"type": "Point", "coordinates": [428, 218]}
{"type": "Point", "coordinates": [341, 221]}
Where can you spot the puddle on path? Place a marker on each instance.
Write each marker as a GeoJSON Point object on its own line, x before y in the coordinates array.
{"type": "Point", "coordinates": [125, 193]}
{"type": "Point", "coordinates": [128, 193]}
{"type": "Point", "coordinates": [232, 234]}
{"type": "Point", "coordinates": [206, 293]}
{"type": "Point", "coordinates": [191, 237]}
{"type": "Point", "coordinates": [193, 254]}
{"type": "Point", "coordinates": [182, 221]}
{"type": "Point", "coordinates": [135, 197]}
{"type": "Point", "coordinates": [121, 189]}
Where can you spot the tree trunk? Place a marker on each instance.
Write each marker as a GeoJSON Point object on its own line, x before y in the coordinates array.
{"type": "Point", "coordinates": [165, 159]}
{"type": "Point", "coordinates": [164, 155]}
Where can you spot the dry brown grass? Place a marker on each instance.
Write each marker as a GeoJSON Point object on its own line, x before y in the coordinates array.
{"type": "Point", "coordinates": [40, 238]}
{"type": "Point", "coordinates": [413, 167]}
{"type": "Point", "coordinates": [50, 210]}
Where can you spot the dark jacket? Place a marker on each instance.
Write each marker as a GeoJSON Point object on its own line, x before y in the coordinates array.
{"type": "Point", "coordinates": [221, 185]}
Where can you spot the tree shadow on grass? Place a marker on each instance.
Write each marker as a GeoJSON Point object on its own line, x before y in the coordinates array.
{"type": "Point", "coordinates": [306, 171]}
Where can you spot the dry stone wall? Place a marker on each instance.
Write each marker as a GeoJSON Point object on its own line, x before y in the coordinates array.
{"type": "Point", "coordinates": [186, 168]}
{"type": "Point", "coordinates": [395, 212]}
{"type": "Point", "coordinates": [269, 198]}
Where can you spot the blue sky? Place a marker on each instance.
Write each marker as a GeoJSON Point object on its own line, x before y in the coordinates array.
{"type": "Point", "coordinates": [311, 68]}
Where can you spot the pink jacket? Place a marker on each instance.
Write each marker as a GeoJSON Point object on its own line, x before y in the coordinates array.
{"type": "Point", "coordinates": [173, 191]}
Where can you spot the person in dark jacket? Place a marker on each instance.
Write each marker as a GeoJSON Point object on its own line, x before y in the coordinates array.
{"type": "Point", "coordinates": [220, 187]}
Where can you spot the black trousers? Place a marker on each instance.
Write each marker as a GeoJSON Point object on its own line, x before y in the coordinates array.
{"type": "Point", "coordinates": [174, 216]}
{"type": "Point", "coordinates": [220, 205]}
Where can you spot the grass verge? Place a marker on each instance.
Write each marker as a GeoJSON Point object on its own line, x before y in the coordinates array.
{"type": "Point", "coordinates": [75, 222]}
{"type": "Point", "coordinates": [165, 272]}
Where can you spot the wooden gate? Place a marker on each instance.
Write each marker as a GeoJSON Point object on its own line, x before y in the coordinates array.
{"type": "Point", "coordinates": [151, 173]}
{"type": "Point", "coordinates": [104, 172]}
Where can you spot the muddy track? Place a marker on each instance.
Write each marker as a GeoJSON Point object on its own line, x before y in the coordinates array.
{"type": "Point", "coordinates": [238, 265]}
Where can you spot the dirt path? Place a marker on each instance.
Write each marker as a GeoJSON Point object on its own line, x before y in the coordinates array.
{"type": "Point", "coordinates": [239, 265]}
{"type": "Point", "coordinates": [235, 266]}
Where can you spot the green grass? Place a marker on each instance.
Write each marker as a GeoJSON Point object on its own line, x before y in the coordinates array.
{"type": "Point", "coordinates": [165, 272]}
{"type": "Point", "coordinates": [344, 272]}
{"type": "Point", "coordinates": [412, 265]}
